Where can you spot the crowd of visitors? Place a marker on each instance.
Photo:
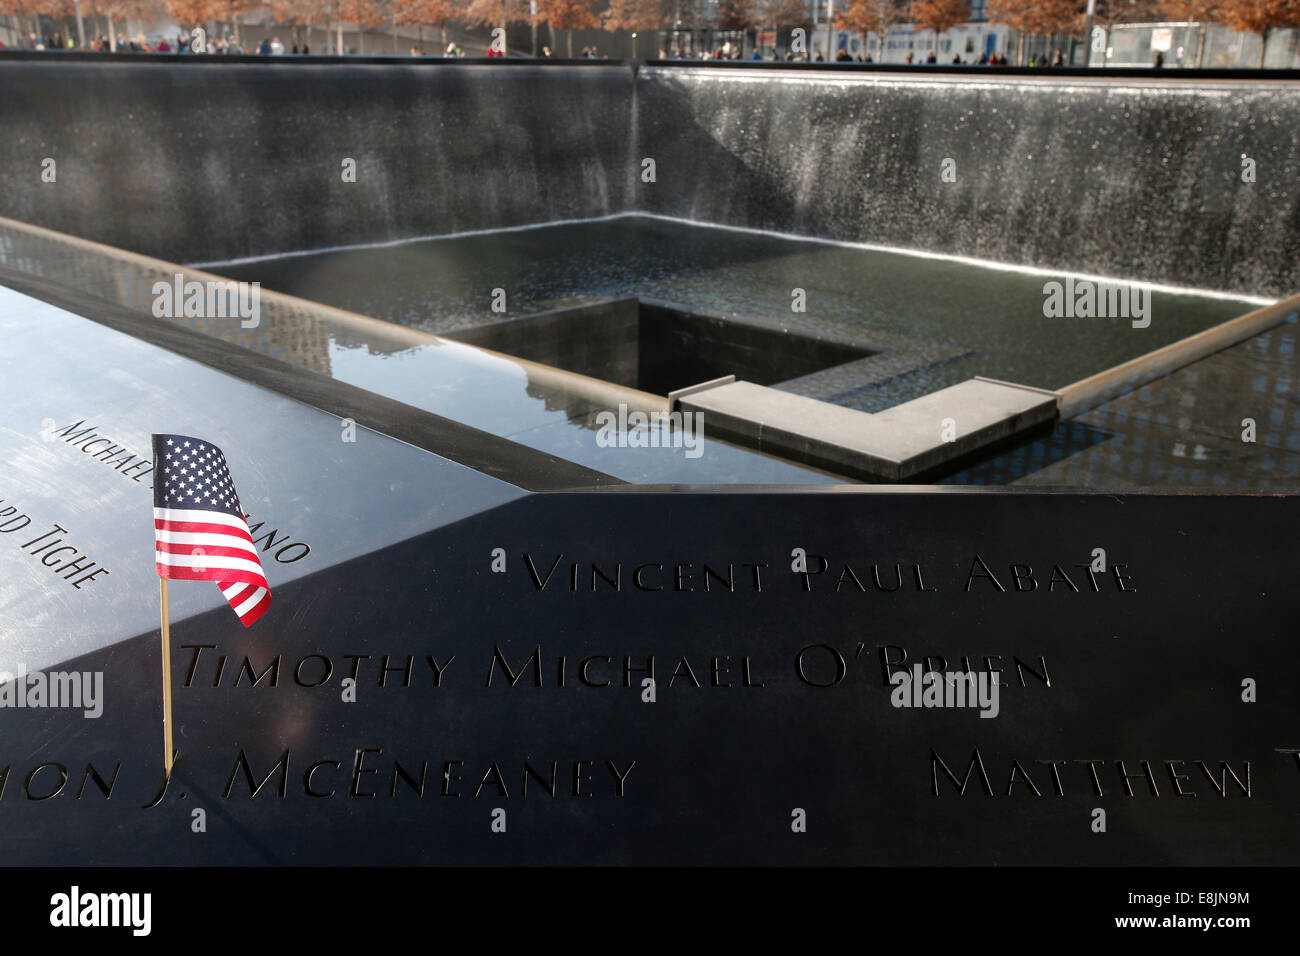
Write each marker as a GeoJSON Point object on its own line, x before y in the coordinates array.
{"type": "Point", "coordinates": [273, 46]}
{"type": "Point", "coordinates": [730, 51]}
{"type": "Point", "coordinates": [270, 46]}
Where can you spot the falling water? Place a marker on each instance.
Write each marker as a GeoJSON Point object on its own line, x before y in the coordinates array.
{"type": "Point", "coordinates": [1144, 179]}
{"type": "Point", "coordinates": [1185, 182]}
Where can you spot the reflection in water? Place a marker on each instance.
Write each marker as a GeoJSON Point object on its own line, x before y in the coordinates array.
{"type": "Point", "coordinates": [993, 317]}
{"type": "Point", "coordinates": [991, 320]}
{"type": "Point", "coordinates": [1183, 430]}
{"type": "Point", "coordinates": [530, 405]}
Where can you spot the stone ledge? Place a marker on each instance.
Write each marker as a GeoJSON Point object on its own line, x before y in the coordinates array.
{"type": "Point", "coordinates": [903, 443]}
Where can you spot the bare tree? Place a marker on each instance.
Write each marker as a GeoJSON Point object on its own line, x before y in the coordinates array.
{"type": "Point", "coordinates": [735, 15]}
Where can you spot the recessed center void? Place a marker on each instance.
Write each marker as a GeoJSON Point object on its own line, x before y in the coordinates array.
{"type": "Point", "coordinates": [659, 347]}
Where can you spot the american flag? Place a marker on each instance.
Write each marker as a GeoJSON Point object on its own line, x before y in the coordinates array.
{"type": "Point", "coordinates": [201, 531]}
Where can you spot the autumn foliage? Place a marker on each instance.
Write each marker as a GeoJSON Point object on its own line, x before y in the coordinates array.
{"type": "Point", "coordinates": [1260, 16]}
{"type": "Point", "coordinates": [1027, 17]}
{"type": "Point", "coordinates": [938, 15]}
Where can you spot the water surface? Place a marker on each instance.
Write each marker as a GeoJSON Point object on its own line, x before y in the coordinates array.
{"type": "Point", "coordinates": [992, 318]}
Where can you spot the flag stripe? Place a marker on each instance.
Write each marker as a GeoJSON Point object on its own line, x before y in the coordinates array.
{"type": "Point", "coordinates": [210, 562]}
{"type": "Point", "coordinates": [178, 543]}
{"type": "Point", "coordinates": [200, 516]}
{"type": "Point", "coordinates": [218, 549]}
{"type": "Point", "coordinates": [194, 574]}
{"type": "Point", "coordinates": [249, 603]}
{"type": "Point", "coordinates": [196, 527]}
{"type": "Point", "coordinates": [252, 614]}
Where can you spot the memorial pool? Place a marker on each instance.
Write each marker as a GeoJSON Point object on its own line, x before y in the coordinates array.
{"type": "Point", "coordinates": [954, 318]}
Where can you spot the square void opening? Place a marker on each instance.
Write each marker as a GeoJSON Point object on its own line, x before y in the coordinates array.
{"type": "Point", "coordinates": [657, 347]}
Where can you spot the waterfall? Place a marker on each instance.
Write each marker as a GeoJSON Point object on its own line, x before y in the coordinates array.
{"type": "Point", "coordinates": [1191, 182]}
{"type": "Point", "coordinates": [1139, 178]}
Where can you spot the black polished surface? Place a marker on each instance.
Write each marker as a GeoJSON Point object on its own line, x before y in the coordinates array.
{"type": "Point", "coordinates": [1229, 423]}
{"type": "Point", "coordinates": [451, 671]}
{"type": "Point", "coordinates": [1136, 677]}
{"type": "Point", "coordinates": [76, 520]}
{"type": "Point", "coordinates": [499, 457]}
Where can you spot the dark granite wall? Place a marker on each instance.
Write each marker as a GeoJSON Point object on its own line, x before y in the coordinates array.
{"type": "Point", "coordinates": [680, 348]}
{"type": "Point", "coordinates": [206, 161]}
{"type": "Point", "coordinates": [1128, 177]}
{"type": "Point", "coordinates": [1132, 178]}
{"type": "Point", "coordinates": [597, 340]}
{"type": "Point", "coordinates": [659, 347]}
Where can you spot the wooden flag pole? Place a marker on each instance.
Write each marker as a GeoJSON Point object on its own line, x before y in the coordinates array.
{"type": "Point", "coordinates": [167, 678]}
